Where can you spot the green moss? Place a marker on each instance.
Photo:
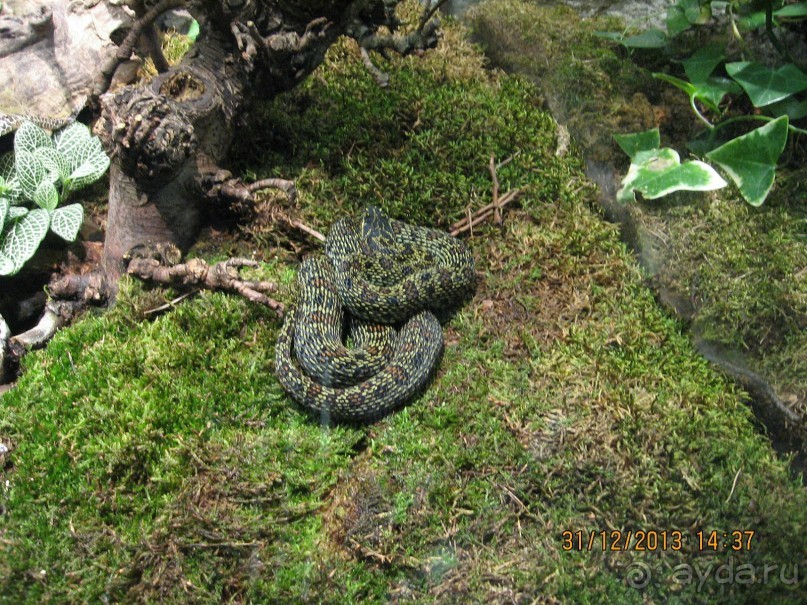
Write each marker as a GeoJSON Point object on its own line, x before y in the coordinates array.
{"type": "Point", "coordinates": [157, 459]}
{"type": "Point", "coordinates": [419, 148]}
{"type": "Point", "coordinates": [736, 272]}
{"type": "Point", "coordinates": [589, 84]}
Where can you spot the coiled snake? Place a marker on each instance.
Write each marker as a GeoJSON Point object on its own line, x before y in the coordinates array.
{"type": "Point", "coordinates": [379, 283]}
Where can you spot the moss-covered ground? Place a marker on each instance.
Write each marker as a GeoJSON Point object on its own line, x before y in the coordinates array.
{"type": "Point", "coordinates": [738, 274]}
{"type": "Point", "coordinates": [154, 457]}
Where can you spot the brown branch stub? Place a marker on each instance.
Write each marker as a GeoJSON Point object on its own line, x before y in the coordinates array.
{"type": "Point", "coordinates": [197, 273]}
{"type": "Point", "coordinates": [428, 12]}
{"type": "Point", "coordinates": [309, 230]}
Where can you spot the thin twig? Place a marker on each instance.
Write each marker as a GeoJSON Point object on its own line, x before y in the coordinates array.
{"type": "Point", "coordinates": [381, 78]}
{"type": "Point", "coordinates": [128, 44]}
{"type": "Point", "coordinates": [171, 303]}
{"type": "Point", "coordinates": [497, 215]}
{"type": "Point", "coordinates": [734, 484]}
{"type": "Point", "coordinates": [508, 160]}
{"type": "Point", "coordinates": [481, 215]}
{"type": "Point", "coordinates": [306, 229]}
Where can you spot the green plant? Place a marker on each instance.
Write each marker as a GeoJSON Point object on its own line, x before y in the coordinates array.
{"type": "Point", "coordinates": [35, 181]}
{"type": "Point", "coordinates": [773, 93]}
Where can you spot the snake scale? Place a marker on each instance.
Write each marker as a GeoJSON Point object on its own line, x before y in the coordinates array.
{"type": "Point", "coordinates": [362, 337]}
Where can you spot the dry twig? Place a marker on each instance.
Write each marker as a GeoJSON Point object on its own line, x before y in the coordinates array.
{"type": "Point", "coordinates": [494, 208]}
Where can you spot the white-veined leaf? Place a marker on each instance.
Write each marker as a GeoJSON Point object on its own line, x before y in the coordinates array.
{"type": "Point", "coordinates": [93, 163]}
{"type": "Point", "coordinates": [6, 266]}
{"type": "Point", "coordinates": [30, 137]}
{"type": "Point", "coordinates": [53, 161]}
{"type": "Point", "coordinates": [30, 172]}
{"type": "Point", "coordinates": [15, 212]}
{"type": "Point", "coordinates": [70, 140]}
{"type": "Point", "coordinates": [46, 195]}
{"type": "Point", "coordinates": [66, 221]}
{"type": "Point", "coordinates": [13, 192]}
{"type": "Point", "coordinates": [23, 238]}
{"type": "Point", "coordinates": [4, 204]}
{"type": "Point", "coordinates": [7, 165]}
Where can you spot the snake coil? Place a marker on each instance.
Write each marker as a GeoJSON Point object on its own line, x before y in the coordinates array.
{"type": "Point", "coordinates": [362, 338]}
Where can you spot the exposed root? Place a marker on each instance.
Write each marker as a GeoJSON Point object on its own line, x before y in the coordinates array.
{"type": "Point", "coordinates": [13, 348]}
{"type": "Point", "coordinates": [220, 184]}
{"type": "Point", "coordinates": [197, 273]}
{"type": "Point", "coordinates": [381, 78]}
{"type": "Point", "coordinates": [40, 334]}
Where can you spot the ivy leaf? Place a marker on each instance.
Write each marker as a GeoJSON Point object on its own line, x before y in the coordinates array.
{"type": "Point", "coordinates": [701, 64]}
{"type": "Point", "coordinates": [659, 172]}
{"type": "Point", "coordinates": [750, 160]}
{"type": "Point", "coordinates": [764, 85]}
{"type": "Point", "coordinates": [23, 238]}
{"type": "Point", "coordinates": [710, 93]}
{"type": "Point", "coordinates": [791, 107]}
{"type": "Point", "coordinates": [713, 90]}
{"type": "Point", "coordinates": [697, 12]}
{"type": "Point", "coordinates": [66, 221]}
{"type": "Point", "coordinates": [652, 38]}
{"type": "Point", "coordinates": [796, 11]}
{"type": "Point", "coordinates": [677, 21]}
{"type": "Point", "coordinates": [686, 13]}
{"type": "Point", "coordinates": [30, 137]}
{"type": "Point", "coordinates": [633, 143]}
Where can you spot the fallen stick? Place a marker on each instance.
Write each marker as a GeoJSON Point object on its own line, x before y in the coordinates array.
{"type": "Point", "coordinates": [482, 214]}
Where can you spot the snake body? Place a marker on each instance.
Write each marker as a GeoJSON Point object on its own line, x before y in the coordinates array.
{"type": "Point", "coordinates": [362, 339]}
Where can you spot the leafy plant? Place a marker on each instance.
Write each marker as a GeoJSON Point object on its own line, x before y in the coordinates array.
{"type": "Point", "coordinates": [773, 92]}
{"type": "Point", "coordinates": [35, 181]}
{"type": "Point", "coordinates": [656, 172]}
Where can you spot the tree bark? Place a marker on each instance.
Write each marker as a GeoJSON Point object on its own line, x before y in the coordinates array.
{"type": "Point", "coordinates": [169, 138]}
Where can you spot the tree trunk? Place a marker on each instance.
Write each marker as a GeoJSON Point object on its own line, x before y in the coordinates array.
{"type": "Point", "coordinates": [168, 138]}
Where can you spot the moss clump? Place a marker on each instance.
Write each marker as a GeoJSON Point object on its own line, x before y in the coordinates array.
{"type": "Point", "coordinates": [419, 148]}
